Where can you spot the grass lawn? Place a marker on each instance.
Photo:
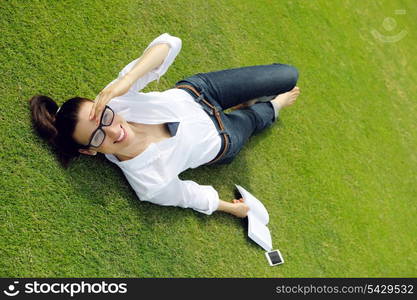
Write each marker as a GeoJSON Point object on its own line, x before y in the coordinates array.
{"type": "Point", "coordinates": [337, 173]}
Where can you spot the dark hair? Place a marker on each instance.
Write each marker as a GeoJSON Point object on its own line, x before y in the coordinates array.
{"type": "Point", "coordinates": [57, 127]}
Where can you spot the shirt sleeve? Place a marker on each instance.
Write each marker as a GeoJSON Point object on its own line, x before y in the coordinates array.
{"type": "Point", "coordinates": [186, 194]}
{"type": "Point", "coordinates": [175, 47]}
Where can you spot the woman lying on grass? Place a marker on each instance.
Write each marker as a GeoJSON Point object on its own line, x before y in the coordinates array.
{"type": "Point", "coordinates": [155, 136]}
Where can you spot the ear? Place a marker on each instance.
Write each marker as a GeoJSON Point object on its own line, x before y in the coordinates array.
{"type": "Point", "coordinates": [87, 151]}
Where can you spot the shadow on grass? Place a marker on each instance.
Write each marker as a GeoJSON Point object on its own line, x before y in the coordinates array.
{"type": "Point", "coordinates": [98, 181]}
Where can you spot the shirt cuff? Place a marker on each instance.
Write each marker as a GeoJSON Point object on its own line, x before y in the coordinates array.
{"type": "Point", "coordinates": [212, 198]}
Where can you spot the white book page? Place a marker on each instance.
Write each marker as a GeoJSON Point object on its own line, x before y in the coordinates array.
{"type": "Point", "coordinates": [256, 208]}
{"type": "Point", "coordinates": [260, 234]}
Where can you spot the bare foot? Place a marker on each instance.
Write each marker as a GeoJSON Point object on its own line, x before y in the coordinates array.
{"type": "Point", "coordinates": [283, 100]}
{"type": "Point", "coordinates": [288, 98]}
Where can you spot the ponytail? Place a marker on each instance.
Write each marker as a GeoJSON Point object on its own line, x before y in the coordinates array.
{"type": "Point", "coordinates": [56, 124]}
{"type": "Point", "coordinates": [43, 116]}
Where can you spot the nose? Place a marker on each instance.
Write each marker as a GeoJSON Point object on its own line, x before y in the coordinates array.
{"type": "Point", "coordinates": [112, 131]}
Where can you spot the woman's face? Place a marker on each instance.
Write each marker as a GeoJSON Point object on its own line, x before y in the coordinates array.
{"type": "Point", "coordinates": [118, 135]}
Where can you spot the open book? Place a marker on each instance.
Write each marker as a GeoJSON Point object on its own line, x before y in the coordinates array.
{"type": "Point", "coordinates": [258, 218]}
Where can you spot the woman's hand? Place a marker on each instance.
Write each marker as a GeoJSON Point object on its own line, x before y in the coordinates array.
{"type": "Point", "coordinates": [118, 88]}
{"type": "Point", "coordinates": [237, 208]}
{"type": "Point", "coordinates": [240, 208]}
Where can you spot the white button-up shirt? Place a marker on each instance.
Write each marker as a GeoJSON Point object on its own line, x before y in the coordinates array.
{"type": "Point", "coordinates": [153, 174]}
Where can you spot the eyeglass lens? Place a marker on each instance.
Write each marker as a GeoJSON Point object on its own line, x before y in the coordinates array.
{"type": "Point", "coordinates": [107, 117]}
{"type": "Point", "coordinates": [99, 136]}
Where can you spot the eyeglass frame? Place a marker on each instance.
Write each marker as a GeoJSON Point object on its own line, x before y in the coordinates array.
{"type": "Point", "coordinates": [99, 128]}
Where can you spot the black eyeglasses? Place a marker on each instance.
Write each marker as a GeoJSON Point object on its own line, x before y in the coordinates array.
{"type": "Point", "coordinates": [98, 136]}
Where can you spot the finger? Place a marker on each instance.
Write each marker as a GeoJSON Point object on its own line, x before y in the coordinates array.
{"type": "Point", "coordinates": [91, 115]}
{"type": "Point", "coordinates": [100, 106]}
{"type": "Point", "coordinates": [99, 110]}
{"type": "Point", "coordinates": [97, 114]}
{"type": "Point", "coordinates": [93, 112]}
{"type": "Point", "coordinates": [93, 108]}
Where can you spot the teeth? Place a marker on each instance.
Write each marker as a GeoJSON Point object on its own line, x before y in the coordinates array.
{"type": "Point", "coordinates": [122, 134]}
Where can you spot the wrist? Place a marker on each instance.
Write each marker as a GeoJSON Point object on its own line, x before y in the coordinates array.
{"type": "Point", "coordinates": [226, 207]}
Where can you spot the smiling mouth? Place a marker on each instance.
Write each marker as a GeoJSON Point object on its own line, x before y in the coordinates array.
{"type": "Point", "coordinates": [122, 135]}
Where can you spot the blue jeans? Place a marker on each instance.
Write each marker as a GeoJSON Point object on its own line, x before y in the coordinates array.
{"type": "Point", "coordinates": [228, 88]}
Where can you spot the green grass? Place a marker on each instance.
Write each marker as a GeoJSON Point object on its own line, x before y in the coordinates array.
{"type": "Point", "coordinates": [337, 174]}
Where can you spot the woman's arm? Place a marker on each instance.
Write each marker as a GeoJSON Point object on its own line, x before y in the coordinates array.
{"type": "Point", "coordinates": [150, 60]}
{"type": "Point", "coordinates": [187, 193]}
{"type": "Point", "coordinates": [237, 208]}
